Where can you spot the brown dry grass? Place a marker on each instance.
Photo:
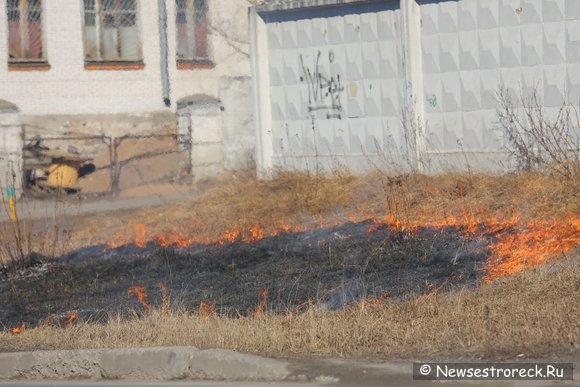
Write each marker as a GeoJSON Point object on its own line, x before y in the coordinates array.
{"type": "Point", "coordinates": [302, 198]}
{"type": "Point", "coordinates": [535, 313]}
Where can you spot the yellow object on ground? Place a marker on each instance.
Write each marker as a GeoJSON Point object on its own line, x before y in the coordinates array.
{"type": "Point", "coordinates": [12, 202]}
{"type": "Point", "coordinates": [12, 208]}
{"type": "Point", "coordinates": [63, 175]}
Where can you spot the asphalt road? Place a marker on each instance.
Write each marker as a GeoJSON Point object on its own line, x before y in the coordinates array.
{"type": "Point", "coordinates": [323, 373]}
{"type": "Point", "coordinates": [50, 207]}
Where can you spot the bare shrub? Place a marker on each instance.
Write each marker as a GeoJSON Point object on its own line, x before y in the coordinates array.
{"type": "Point", "coordinates": [28, 242]}
{"type": "Point", "coordinates": [536, 139]}
{"type": "Point", "coordinates": [414, 130]}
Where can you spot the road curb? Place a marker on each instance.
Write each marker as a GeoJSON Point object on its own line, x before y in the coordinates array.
{"type": "Point", "coordinates": [164, 363]}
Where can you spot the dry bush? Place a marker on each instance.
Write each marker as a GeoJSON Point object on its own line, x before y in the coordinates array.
{"type": "Point", "coordinates": [538, 140]}
{"type": "Point", "coordinates": [25, 242]}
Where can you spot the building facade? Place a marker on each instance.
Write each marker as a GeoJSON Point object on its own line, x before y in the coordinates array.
{"type": "Point", "coordinates": [120, 67]}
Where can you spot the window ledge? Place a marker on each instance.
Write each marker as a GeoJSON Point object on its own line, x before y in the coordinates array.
{"type": "Point", "coordinates": [183, 64]}
{"type": "Point", "coordinates": [28, 66]}
{"type": "Point", "coordinates": [114, 66]}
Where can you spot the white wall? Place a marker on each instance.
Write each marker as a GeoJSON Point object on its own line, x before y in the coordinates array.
{"type": "Point", "coordinates": [471, 48]}
{"type": "Point", "coordinates": [68, 89]}
{"type": "Point", "coordinates": [10, 149]}
{"type": "Point", "coordinates": [357, 51]}
{"type": "Point", "coordinates": [451, 57]}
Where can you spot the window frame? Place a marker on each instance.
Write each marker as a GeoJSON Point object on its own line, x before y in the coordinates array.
{"type": "Point", "coordinates": [22, 63]}
{"type": "Point", "coordinates": [110, 64]}
{"type": "Point", "coordinates": [194, 62]}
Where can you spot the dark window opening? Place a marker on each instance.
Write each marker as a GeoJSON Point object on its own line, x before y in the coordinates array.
{"type": "Point", "coordinates": [192, 31]}
{"type": "Point", "coordinates": [111, 32]}
{"type": "Point", "coordinates": [25, 41]}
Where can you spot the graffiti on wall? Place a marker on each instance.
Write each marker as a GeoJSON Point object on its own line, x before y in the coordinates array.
{"type": "Point", "coordinates": [323, 91]}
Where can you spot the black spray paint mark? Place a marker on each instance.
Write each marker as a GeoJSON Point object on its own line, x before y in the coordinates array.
{"type": "Point", "coordinates": [323, 92]}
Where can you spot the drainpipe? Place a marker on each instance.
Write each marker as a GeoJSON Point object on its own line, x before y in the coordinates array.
{"type": "Point", "coordinates": [164, 52]}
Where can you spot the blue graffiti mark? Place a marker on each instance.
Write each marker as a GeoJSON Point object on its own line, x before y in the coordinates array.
{"type": "Point", "coordinates": [432, 100]}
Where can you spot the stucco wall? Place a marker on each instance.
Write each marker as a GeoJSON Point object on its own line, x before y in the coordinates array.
{"type": "Point", "coordinates": [10, 149]}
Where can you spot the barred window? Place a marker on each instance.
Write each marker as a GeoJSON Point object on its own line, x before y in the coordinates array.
{"type": "Point", "coordinates": [111, 31]}
{"type": "Point", "coordinates": [25, 31]}
{"type": "Point", "coordinates": [192, 30]}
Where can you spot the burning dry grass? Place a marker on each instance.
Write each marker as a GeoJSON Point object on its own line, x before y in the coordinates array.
{"type": "Point", "coordinates": [298, 200]}
{"type": "Point", "coordinates": [535, 313]}
{"type": "Point", "coordinates": [533, 215]}
{"type": "Point", "coordinates": [537, 211]}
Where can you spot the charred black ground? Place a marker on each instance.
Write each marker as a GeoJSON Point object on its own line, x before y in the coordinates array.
{"type": "Point", "coordinates": [330, 267]}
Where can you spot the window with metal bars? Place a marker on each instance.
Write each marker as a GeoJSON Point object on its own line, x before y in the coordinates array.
{"type": "Point", "coordinates": [25, 32]}
{"type": "Point", "coordinates": [111, 32]}
{"type": "Point", "coordinates": [192, 31]}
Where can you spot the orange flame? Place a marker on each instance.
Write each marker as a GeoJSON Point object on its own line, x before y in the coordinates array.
{"type": "Point", "coordinates": [262, 305]}
{"type": "Point", "coordinates": [141, 295]}
{"type": "Point", "coordinates": [19, 329]}
{"type": "Point", "coordinates": [516, 246]}
{"type": "Point", "coordinates": [230, 236]}
{"type": "Point", "coordinates": [70, 319]}
{"type": "Point", "coordinates": [206, 310]}
{"type": "Point", "coordinates": [256, 233]}
{"type": "Point", "coordinates": [115, 241]}
{"type": "Point", "coordinates": [140, 240]}
{"type": "Point", "coordinates": [531, 246]}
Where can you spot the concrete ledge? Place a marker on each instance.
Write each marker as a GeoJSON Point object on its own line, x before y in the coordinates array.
{"type": "Point", "coordinates": [165, 363]}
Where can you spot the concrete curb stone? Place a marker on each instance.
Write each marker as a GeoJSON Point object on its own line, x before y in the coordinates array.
{"type": "Point", "coordinates": [163, 363]}
{"type": "Point", "coordinates": [146, 363]}
{"type": "Point", "coordinates": [220, 364]}
{"type": "Point", "coordinates": [49, 365]}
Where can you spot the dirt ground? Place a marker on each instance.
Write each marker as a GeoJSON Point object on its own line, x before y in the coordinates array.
{"type": "Point", "coordinates": [329, 267]}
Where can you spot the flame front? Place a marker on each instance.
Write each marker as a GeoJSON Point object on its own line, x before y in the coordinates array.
{"type": "Point", "coordinates": [71, 317]}
{"type": "Point", "coordinates": [140, 240]}
{"type": "Point", "coordinates": [19, 329]}
{"type": "Point", "coordinates": [515, 245]}
{"type": "Point", "coordinates": [206, 310]}
{"type": "Point", "coordinates": [531, 246]}
{"type": "Point", "coordinates": [261, 308]}
{"type": "Point", "coordinates": [141, 294]}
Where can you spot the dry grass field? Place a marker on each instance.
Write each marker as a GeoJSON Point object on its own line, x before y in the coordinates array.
{"type": "Point", "coordinates": [526, 301]}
